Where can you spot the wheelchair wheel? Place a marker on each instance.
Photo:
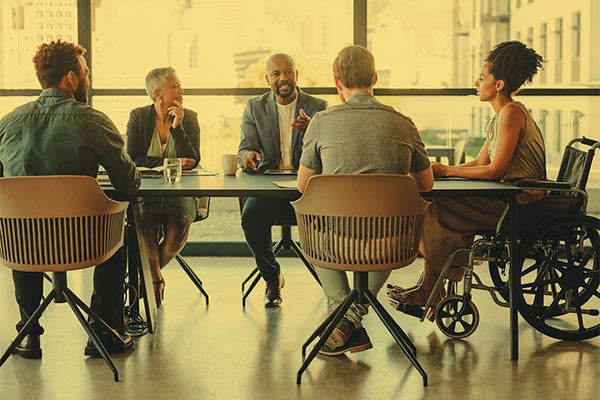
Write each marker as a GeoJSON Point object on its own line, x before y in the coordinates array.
{"type": "Point", "coordinates": [559, 274]}
{"type": "Point", "coordinates": [456, 318]}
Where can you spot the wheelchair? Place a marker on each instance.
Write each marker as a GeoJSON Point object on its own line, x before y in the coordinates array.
{"type": "Point", "coordinates": [558, 261]}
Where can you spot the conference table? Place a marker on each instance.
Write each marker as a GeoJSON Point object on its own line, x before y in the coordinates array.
{"type": "Point", "coordinates": [283, 186]}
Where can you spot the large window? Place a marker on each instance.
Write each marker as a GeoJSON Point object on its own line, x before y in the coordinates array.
{"type": "Point", "coordinates": [413, 46]}
{"type": "Point", "coordinates": [428, 53]}
{"type": "Point", "coordinates": [558, 49]}
{"type": "Point", "coordinates": [215, 44]}
{"type": "Point", "coordinates": [543, 45]}
{"type": "Point", "coordinates": [575, 46]}
{"type": "Point", "coordinates": [24, 25]}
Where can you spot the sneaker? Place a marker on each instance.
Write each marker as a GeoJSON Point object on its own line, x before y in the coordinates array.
{"type": "Point", "coordinates": [273, 292]}
{"type": "Point", "coordinates": [359, 341]}
{"type": "Point", "coordinates": [340, 334]}
{"type": "Point", "coordinates": [112, 344]}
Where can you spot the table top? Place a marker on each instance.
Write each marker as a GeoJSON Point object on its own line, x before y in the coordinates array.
{"type": "Point", "coordinates": [244, 184]}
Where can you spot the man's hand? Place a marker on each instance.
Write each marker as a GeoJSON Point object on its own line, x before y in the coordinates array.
{"type": "Point", "coordinates": [251, 160]}
{"type": "Point", "coordinates": [438, 169]}
{"type": "Point", "coordinates": [301, 123]}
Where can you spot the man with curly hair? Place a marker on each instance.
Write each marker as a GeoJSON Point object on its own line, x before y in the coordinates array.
{"type": "Point", "coordinates": [59, 134]}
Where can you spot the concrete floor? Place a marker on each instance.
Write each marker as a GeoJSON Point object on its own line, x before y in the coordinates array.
{"type": "Point", "coordinates": [226, 352]}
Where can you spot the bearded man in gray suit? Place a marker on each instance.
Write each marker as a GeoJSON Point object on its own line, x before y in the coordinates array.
{"type": "Point", "coordinates": [273, 126]}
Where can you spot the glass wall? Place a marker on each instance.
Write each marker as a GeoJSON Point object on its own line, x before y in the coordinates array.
{"type": "Point", "coordinates": [427, 52]}
{"type": "Point", "coordinates": [215, 43]}
{"type": "Point", "coordinates": [24, 25]}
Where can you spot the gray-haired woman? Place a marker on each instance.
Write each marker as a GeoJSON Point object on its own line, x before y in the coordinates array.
{"type": "Point", "coordinates": [164, 129]}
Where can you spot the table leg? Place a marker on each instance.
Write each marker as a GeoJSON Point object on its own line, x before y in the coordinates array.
{"type": "Point", "coordinates": [513, 276]}
{"type": "Point", "coordinates": [143, 266]}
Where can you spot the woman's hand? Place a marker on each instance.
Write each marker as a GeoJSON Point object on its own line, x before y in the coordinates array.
{"type": "Point", "coordinates": [177, 113]}
{"type": "Point", "coordinates": [187, 163]}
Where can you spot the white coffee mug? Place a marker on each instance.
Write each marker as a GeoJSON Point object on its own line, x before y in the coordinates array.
{"type": "Point", "coordinates": [230, 163]}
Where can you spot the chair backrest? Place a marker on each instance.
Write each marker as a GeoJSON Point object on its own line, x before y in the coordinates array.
{"type": "Point", "coordinates": [57, 223]}
{"type": "Point", "coordinates": [202, 208]}
{"type": "Point", "coordinates": [576, 164]}
{"type": "Point", "coordinates": [360, 222]}
{"type": "Point", "coordinates": [459, 151]}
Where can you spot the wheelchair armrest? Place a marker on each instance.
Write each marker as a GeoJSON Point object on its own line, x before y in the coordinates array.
{"type": "Point", "coordinates": [543, 185]}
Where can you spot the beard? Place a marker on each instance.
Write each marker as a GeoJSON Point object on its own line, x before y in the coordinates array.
{"type": "Point", "coordinates": [286, 94]}
{"type": "Point", "coordinates": [81, 93]}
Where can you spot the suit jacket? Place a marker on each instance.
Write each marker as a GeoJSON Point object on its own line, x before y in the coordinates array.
{"type": "Point", "coordinates": [260, 129]}
{"type": "Point", "coordinates": [186, 137]}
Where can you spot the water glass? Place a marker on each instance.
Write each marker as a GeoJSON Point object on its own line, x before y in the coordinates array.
{"type": "Point", "coordinates": [172, 170]}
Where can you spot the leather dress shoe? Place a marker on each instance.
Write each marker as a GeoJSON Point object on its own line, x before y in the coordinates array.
{"type": "Point", "coordinates": [29, 347]}
{"type": "Point", "coordinates": [112, 344]}
{"type": "Point", "coordinates": [273, 292]}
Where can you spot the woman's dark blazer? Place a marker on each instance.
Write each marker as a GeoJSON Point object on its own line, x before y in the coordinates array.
{"type": "Point", "coordinates": [140, 126]}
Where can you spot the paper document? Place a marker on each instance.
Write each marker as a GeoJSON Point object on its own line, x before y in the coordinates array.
{"type": "Point", "coordinates": [286, 184]}
{"type": "Point", "coordinates": [103, 180]}
{"type": "Point", "coordinates": [147, 171]}
{"type": "Point", "coordinates": [281, 172]}
{"type": "Point", "coordinates": [199, 172]}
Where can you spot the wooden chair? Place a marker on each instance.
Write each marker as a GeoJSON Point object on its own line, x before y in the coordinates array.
{"type": "Point", "coordinates": [58, 224]}
{"type": "Point", "coordinates": [360, 223]}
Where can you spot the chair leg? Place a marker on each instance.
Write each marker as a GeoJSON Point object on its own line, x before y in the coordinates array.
{"type": "Point", "coordinates": [325, 329]}
{"type": "Point", "coordinates": [298, 251]}
{"type": "Point", "coordinates": [279, 245]}
{"type": "Point", "coordinates": [250, 276]}
{"type": "Point", "coordinates": [251, 287]}
{"type": "Point", "coordinates": [192, 275]}
{"type": "Point", "coordinates": [144, 296]}
{"type": "Point", "coordinates": [398, 334]}
{"type": "Point", "coordinates": [396, 331]}
{"type": "Point", "coordinates": [276, 249]}
{"type": "Point", "coordinates": [74, 302]}
{"type": "Point", "coordinates": [27, 327]}
{"type": "Point", "coordinates": [336, 315]}
{"type": "Point", "coordinates": [93, 315]}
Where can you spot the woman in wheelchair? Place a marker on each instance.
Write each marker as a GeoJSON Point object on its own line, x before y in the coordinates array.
{"type": "Point", "coordinates": [513, 150]}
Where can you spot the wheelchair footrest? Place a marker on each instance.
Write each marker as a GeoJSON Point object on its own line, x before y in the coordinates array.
{"type": "Point", "coordinates": [409, 309]}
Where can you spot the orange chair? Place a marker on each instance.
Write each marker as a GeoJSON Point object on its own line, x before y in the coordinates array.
{"type": "Point", "coordinates": [58, 224]}
{"type": "Point", "coordinates": [360, 223]}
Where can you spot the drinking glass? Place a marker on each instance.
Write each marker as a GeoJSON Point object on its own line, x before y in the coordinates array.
{"type": "Point", "coordinates": [172, 170]}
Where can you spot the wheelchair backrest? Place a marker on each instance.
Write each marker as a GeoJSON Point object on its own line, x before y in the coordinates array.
{"type": "Point", "coordinates": [576, 164]}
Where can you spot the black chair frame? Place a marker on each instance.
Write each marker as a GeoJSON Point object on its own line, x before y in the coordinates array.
{"type": "Point", "coordinates": [61, 293]}
{"type": "Point", "coordinates": [286, 242]}
{"type": "Point", "coordinates": [361, 295]}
